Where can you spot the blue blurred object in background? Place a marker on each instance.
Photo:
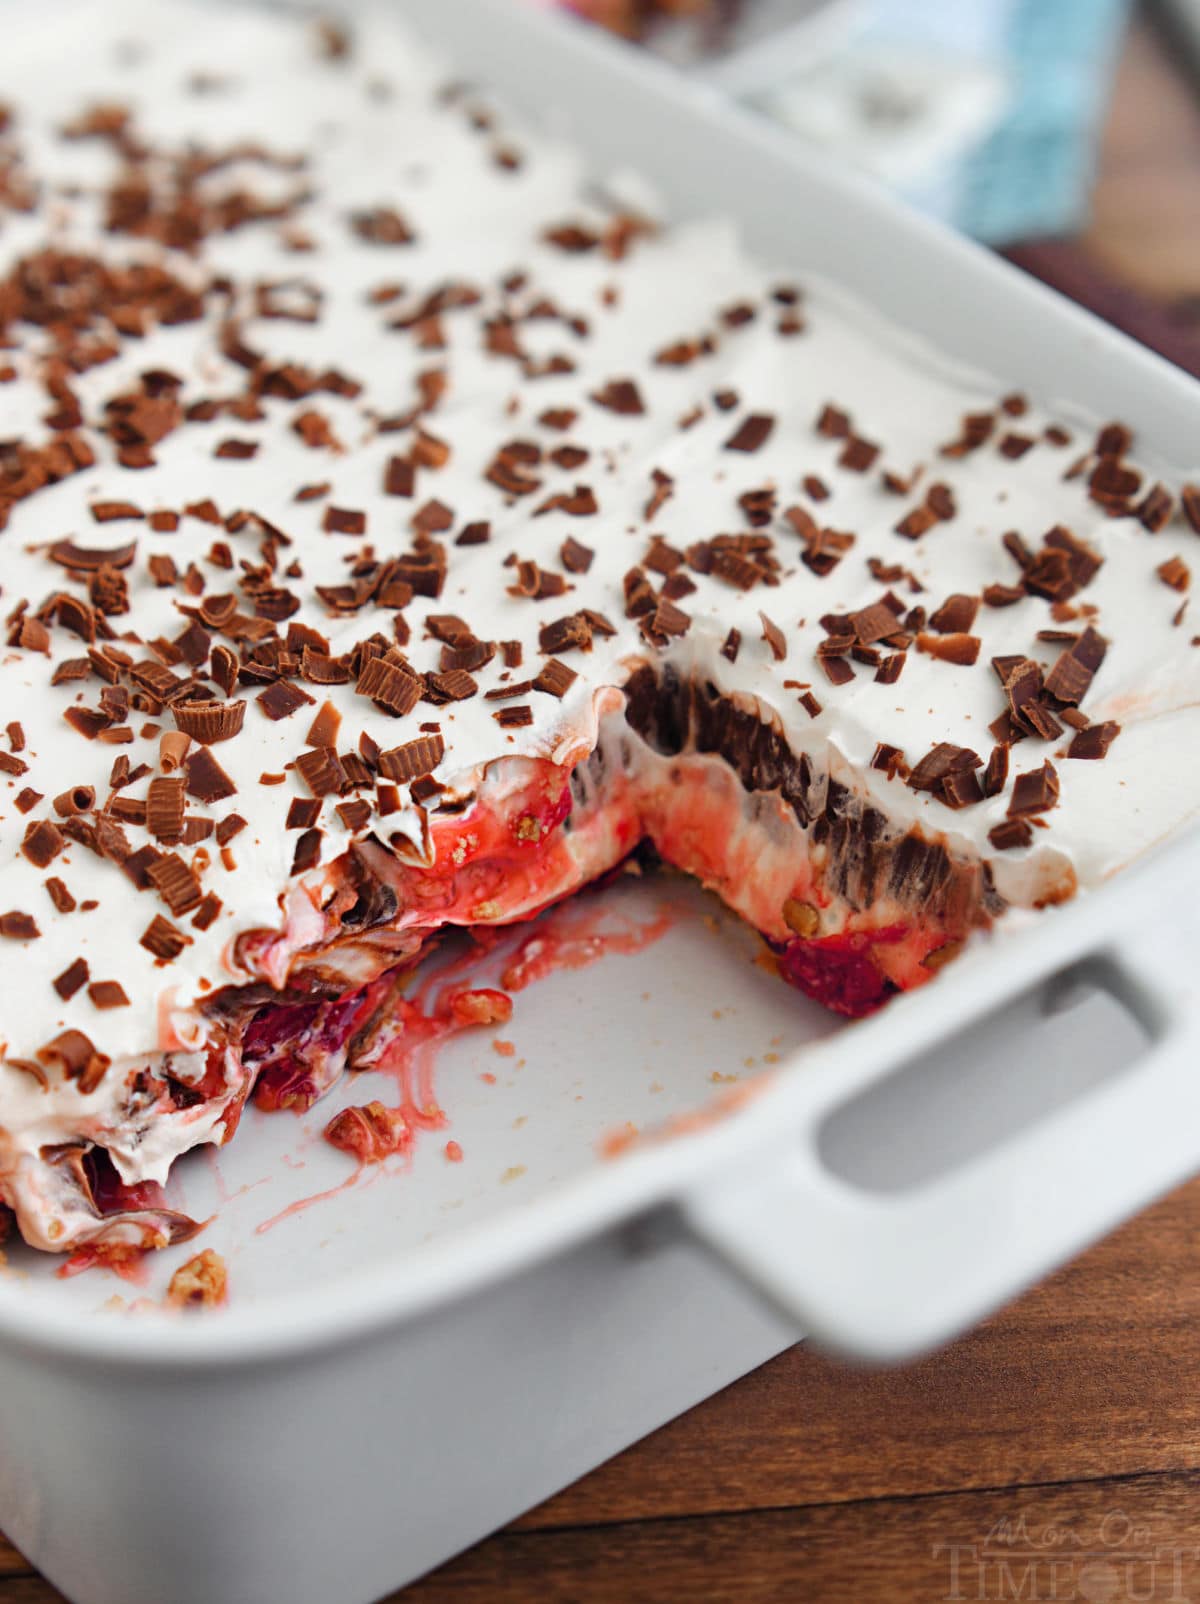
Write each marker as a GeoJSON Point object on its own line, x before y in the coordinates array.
{"type": "Point", "coordinates": [1033, 174]}
{"type": "Point", "coordinates": [985, 112]}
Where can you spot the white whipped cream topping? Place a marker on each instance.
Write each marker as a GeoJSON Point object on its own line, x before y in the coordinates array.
{"type": "Point", "coordinates": [375, 133]}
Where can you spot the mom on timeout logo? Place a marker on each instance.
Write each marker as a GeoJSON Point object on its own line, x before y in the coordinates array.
{"type": "Point", "coordinates": [1110, 1560]}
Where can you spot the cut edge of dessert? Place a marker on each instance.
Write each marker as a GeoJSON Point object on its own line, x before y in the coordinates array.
{"type": "Point", "coordinates": [854, 908]}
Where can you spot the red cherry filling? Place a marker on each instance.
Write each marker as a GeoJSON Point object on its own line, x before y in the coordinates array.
{"type": "Point", "coordinates": [840, 972]}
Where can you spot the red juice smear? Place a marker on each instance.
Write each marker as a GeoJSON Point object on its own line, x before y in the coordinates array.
{"type": "Point", "coordinates": [584, 943]}
{"type": "Point", "coordinates": [224, 1195]}
{"type": "Point", "coordinates": [299, 1206]}
{"type": "Point", "coordinates": [440, 1008]}
{"type": "Point", "coordinates": [620, 1140]}
{"type": "Point", "coordinates": [121, 1258]}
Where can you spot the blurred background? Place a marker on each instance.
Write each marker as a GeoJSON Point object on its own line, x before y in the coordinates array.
{"type": "Point", "coordinates": [1064, 132]}
{"type": "Point", "coordinates": [984, 112]}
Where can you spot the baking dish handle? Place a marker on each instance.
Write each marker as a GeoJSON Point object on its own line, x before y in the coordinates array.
{"type": "Point", "coordinates": [887, 1276]}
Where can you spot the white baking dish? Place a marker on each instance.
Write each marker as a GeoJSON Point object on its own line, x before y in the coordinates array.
{"type": "Point", "coordinates": [413, 1361]}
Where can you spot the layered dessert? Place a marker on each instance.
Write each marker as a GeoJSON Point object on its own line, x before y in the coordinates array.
{"type": "Point", "coordinates": [402, 526]}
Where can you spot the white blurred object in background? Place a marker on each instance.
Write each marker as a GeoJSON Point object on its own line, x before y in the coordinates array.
{"type": "Point", "coordinates": [985, 113]}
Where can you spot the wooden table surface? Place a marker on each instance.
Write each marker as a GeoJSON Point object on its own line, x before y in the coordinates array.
{"type": "Point", "coordinates": [1052, 1454]}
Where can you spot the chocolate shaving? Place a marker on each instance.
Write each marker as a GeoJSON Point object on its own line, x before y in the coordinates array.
{"type": "Point", "coordinates": [1071, 677]}
{"type": "Point", "coordinates": [60, 895]}
{"type": "Point", "coordinates": [891, 668]}
{"type": "Point", "coordinates": [321, 771]}
{"type": "Point", "coordinates": [664, 489]}
{"type": "Point", "coordinates": [513, 717]}
{"type": "Point", "coordinates": [400, 477]}
{"type": "Point", "coordinates": [393, 687]}
{"type": "Point", "coordinates": [574, 632]}
{"type": "Point", "coordinates": [79, 799]}
{"type": "Point", "coordinates": [355, 815]}
{"type": "Point", "coordinates": [162, 570]}
{"type": "Point", "coordinates": [108, 512]}
{"type": "Point", "coordinates": [19, 926]}
{"type": "Point", "coordinates": [1094, 741]}
{"type": "Point", "coordinates": [1155, 508]}
{"type": "Point", "coordinates": [621, 396]}
{"type": "Point", "coordinates": [837, 670]}
{"type": "Point", "coordinates": [833, 423]}
{"type": "Point", "coordinates": [163, 939]}
{"type": "Point", "coordinates": [1175, 573]}
{"type": "Point", "coordinates": [889, 759]}
{"type": "Point", "coordinates": [916, 523]}
{"type": "Point", "coordinates": [107, 994]}
{"type": "Point", "coordinates": [752, 433]}
{"type": "Point", "coordinates": [1189, 500]}
{"type": "Point", "coordinates": [858, 455]}
{"type": "Point", "coordinates": [667, 622]}
{"type": "Point", "coordinates": [948, 773]}
{"type": "Point", "coordinates": [958, 648]}
{"type": "Point", "coordinates": [344, 521]}
{"type": "Point", "coordinates": [206, 780]}
{"type": "Point", "coordinates": [955, 616]}
{"type": "Point", "coordinates": [1011, 833]}
{"type": "Point", "coordinates": [164, 809]}
{"type": "Point", "coordinates": [961, 789]}
{"type": "Point", "coordinates": [174, 881]}
{"type": "Point", "coordinates": [454, 686]}
{"type": "Point", "coordinates": [209, 722]}
{"type": "Point", "coordinates": [74, 1056]}
{"type": "Point", "coordinates": [206, 914]}
{"type": "Point", "coordinates": [308, 852]}
{"type": "Point", "coordinates": [72, 979]}
{"type": "Point", "coordinates": [282, 699]}
{"type": "Point", "coordinates": [322, 669]}
{"type": "Point", "coordinates": [42, 843]}
{"type": "Point", "coordinates": [1063, 567]}
{"type": "Point", "coordinates": [413, 759]}
{"type": "Point", "coordinates": [774, 638]}
{"type": "Point", "coordinates": [303, 812]}
{"type": "Point", "coordinates": [554, 678]}
{"type": "Point", "coordinates": [995, 776]}
{"type": "Point", "coordinates": [575, 557]}
{"type": "Point", "coordinates": [90, 560]}
{"type": "Point", "coordinates": [998, 595]}
{"type": "Point", "coordinates": [381, 225]}
{"type": "Point", "coordinates": [942, 759]}
{"type": "Point", "coordinates": [1035, 791]}
{"type": "Point", "coordinates": [231, 825]}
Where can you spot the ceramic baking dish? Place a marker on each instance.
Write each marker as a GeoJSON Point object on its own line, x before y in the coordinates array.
{"type": "Point", "coordinates": [417, 1357]}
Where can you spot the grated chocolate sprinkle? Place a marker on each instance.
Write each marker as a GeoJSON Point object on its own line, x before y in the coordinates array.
{"type": "Point", "coordinates": [1035, 791]}
{"type": "Point", "coordinates": [1094, 741]}
{"type": "Point", "coordinates": [165, 940]}
{"type": "Point", "coordinates": [73, 978]}
{"type": "Point", "coordinates": [413, 759]}
{"type": "Point", "coordinates": [752, 433]}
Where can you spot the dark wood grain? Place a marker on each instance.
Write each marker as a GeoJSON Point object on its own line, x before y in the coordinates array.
{"type": "Point", "coordinates": [1095, 1373]}
{"type": "Point", "coordinates": [1126, 1535]}
{"type": "Point", "coordinates": [1077, 1409]}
